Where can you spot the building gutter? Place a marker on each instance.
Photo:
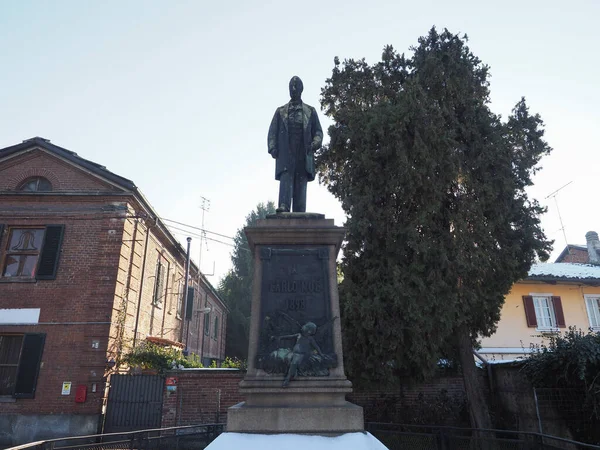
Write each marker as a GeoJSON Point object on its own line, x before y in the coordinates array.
{"type": "Point", "coordinates": [555, 280]}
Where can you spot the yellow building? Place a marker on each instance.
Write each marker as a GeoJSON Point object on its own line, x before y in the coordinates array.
{"type": "Point", "coordinates": [552, 298]}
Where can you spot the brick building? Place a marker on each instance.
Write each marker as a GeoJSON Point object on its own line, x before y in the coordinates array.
{"type": "Point", "coordinates": [583, 254]}
{"type": "Point", "coordinates": [87, 270]}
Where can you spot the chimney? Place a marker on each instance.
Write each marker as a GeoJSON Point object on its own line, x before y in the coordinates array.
{"type": "Point", "coordinates": [593, 245]}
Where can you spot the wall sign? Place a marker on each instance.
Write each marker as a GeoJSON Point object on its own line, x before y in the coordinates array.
{"type": "Point", "coordinates": [66, 388]}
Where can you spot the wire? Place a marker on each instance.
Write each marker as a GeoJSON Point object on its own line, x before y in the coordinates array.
{"type": "Point", "coordinates": [196, 228]}
{"type": "Point", "coordinates": [183, 232]}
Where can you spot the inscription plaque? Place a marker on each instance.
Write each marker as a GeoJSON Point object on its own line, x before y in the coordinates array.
{"type": "Point", "coordinates": [296, 327]}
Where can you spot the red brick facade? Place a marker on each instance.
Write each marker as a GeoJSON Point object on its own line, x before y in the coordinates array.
{"type": "Point", "coordinates": [574, 254]}
{"type": "Point", "coordinates": [104, 296]}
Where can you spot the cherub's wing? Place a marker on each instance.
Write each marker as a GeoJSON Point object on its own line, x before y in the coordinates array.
{"type": "Point", "coordinates": [297, 327]}
{"type": "Point", "coordinates": [326, 327]}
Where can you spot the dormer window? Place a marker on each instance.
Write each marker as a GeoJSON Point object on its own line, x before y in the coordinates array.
{"type": "Point", "coordinates": [35, 184]}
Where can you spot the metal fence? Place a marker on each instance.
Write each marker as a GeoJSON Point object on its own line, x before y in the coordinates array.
{"type": "Point", "coordinates": [417, 437]}
{"type": "Point", "coordinates": [394, 436]}
{"type": "Point", "coordinates": [193, 437]}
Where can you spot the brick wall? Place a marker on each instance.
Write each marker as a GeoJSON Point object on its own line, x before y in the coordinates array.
{"type": "Point", "coordinates": [141, 241]}
{"type": "Point", "coordinates": [75, 308]}
{"type": "Point", "coordinates": [203, 396]}
{"type": "Point", "coordinates": [62, 175]}
{"type": "Point", "coordinates": [576, 255]}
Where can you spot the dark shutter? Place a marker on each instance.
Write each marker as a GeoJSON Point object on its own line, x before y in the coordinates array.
{"type": "Point", "coordinates": [529, 311]}
{"type": "Point", "coordinates": [189, 310]}
{"type": "Point", "coordinates": [29, 365]}
{"type": "Point", "coordinates": [50, 255]}
{"type": "Point", "coordinates": [558, 312]}
{"type": "Point", "coordinates": [1, 235]}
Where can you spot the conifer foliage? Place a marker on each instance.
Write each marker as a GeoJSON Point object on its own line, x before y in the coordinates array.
{"type": "Point", "coordinates": [433, 183]}
{"type": "Point", "coordinates": [236, 287]}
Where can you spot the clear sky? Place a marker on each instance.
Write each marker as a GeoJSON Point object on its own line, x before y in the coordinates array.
{"type": "Point", "coordinates": [178, 95]}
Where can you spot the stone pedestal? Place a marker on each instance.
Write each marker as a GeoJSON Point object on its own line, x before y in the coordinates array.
{"type": "Point", "coordinates": [295, 283]}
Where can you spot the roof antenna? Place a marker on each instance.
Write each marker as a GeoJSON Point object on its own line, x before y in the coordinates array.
{"type": "Point", "coordinates": [205, 207]}
{"type": "Point", "coordinates": [562, 226]}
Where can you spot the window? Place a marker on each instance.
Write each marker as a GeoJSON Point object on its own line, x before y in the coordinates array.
{"type": "Point", "coordinates": [216, 328]}
{"type": "Point", "coordinates": [544, 311]}
{"type": "Point", "coordinates": [592, 303]}
{"type": "Point", "coordinates": [31, 252]}
{"type": "Point", "coordinates": [159, 283]}
{"type": "Point", "coordinates": [20, 356]}
{"type": "Point", "coordinates": [207, 324]}
{"type": "Point", "coordinates": [35, 184]}
{"type": "Point", "coordinates": [22, 252]}
{"type": "Point", "coordinates": [10, 350]}
{"type": "Point", "coordinates": [179, 294]}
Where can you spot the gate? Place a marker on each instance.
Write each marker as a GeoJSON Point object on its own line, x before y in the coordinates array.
{"type": "Point", "coordinates": [134, 403]}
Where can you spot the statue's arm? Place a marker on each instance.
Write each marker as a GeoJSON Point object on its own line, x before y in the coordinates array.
{"type": "Point", "coordinates": [288, 336]}
{"type": "Point", "coordinates": [272, 137]}
{"type": "Point", "coordinates": [317, 140]}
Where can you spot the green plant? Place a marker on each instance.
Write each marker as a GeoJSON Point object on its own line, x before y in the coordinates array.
{"type": "Point", "coordinates": [162, 359]}
{"type": "Point", "coordinates": [570, 361]}
{"type": "Point", "coordinates": [234, 363]}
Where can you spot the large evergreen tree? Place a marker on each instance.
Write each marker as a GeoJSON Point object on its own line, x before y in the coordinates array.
{"type": "Point", "coordinates": [236, 287]}
{"type": "Point", "coordinates": [439, 223]}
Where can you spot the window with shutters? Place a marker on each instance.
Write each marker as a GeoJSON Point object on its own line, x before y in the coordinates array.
{"type": "Point", "coordinates": [544, 312]}
{"type": "Point", "coordinates": [20, 356]}
{"type": "Point", "coordinates": [31, 252]}
{"type": "Point", "coordinates": [592, 303]}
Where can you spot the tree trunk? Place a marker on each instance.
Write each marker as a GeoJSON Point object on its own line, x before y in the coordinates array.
{"type": "Point", "coordinates": [478, 407]}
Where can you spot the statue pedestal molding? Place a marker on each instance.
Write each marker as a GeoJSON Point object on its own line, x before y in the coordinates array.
{"type": "Point", "coordinates": [295, 332]}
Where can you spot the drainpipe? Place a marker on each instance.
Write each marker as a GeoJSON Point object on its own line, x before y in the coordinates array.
{"type": "Point", "coordinates": [137, 316]}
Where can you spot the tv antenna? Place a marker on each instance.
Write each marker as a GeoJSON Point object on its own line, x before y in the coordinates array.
{"type": "Point", "coordinates": [562, 226]}
{"type": "Point", "coordinates": [205, 207]}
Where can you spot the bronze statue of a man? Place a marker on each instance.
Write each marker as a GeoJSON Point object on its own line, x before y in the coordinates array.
{"type": "Point", "coordinates": [294, 135]}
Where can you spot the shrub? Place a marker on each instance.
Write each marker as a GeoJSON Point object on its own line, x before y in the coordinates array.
{"type": "Point", "coordinates": [151, 356]}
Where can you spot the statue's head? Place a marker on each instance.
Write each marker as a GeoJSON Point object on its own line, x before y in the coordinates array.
{"type": "Point", "coordinates": [309, 329]}
{"type": "Point", "coordinates": [296, 88]}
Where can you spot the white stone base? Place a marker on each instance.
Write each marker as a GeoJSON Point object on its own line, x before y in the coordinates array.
{"type": "Point", "coordinates": [247, 441]}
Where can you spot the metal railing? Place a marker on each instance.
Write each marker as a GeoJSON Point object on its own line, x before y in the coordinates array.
{"type": "Point", "coordinates": [427, 437]}
{"type": "Point", "coordinates": [394, 436]}
{"type": "Point", "coordinates": [190, 437]}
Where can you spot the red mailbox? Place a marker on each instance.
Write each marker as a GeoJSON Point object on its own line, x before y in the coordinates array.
{"type": "Point", "coordinates": [81, 393]}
